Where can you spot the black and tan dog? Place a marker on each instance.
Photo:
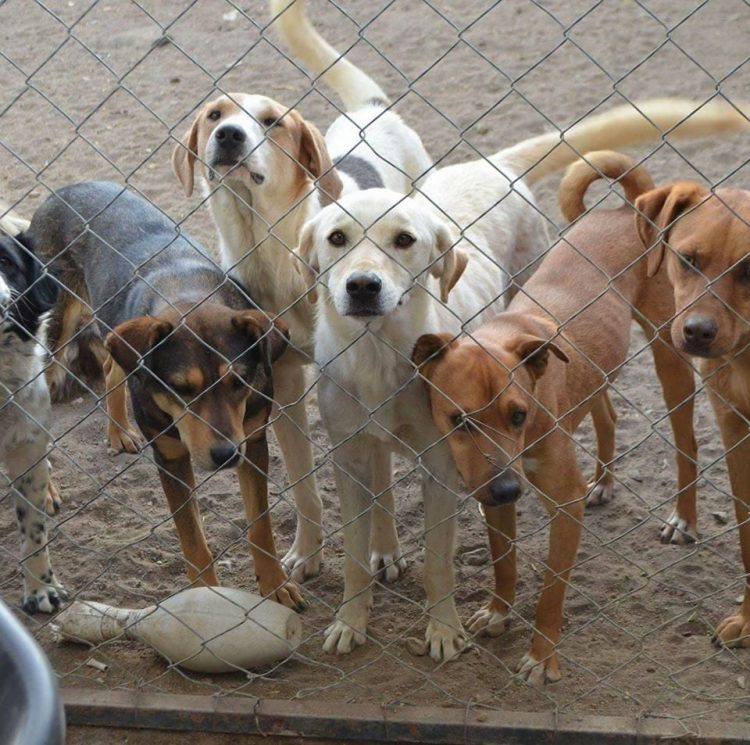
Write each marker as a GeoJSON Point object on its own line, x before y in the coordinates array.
{"type": "Point", "coordinates": [195, 353]}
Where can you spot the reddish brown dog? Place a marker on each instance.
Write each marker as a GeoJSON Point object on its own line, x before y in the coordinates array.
{"type": "Point", "coordinates": [708, 234]}
{"type": "Point", "coordinates": [509, 396]}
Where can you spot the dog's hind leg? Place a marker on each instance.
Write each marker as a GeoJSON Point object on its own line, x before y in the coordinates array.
{"type": "Point", "coordinates": [272, 578]}
{"type": "Point", "coordinates": [678, 387]}
{"type": "Point", "coordinates": [386, 561]}
{"type": "Point", "coordinates": [176, 474]}
{"type": "Point", "coordinates": [28, 469]}
{"type": "Point", "coordinates": [292, 430]}
{"type": "Point", "coordinates": [605, 418]}
{"type": "Point", "coordinates": [121, 434]}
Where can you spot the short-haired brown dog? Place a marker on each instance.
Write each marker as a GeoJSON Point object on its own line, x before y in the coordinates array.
{"type": "Point", "coordinates": [708, 234]}
{"type": "Point", "coordinates": [510, 395]}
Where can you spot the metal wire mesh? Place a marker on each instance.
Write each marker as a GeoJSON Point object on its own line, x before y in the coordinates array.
{"type": "Point", "coordinates": [107, 89]}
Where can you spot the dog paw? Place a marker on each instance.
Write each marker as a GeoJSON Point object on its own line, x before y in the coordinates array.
{"type": "Point", "coordinates": [304, 558]}
{"type": "Point", "coordinates": [282, 590]}
{"type": "Point", "coordinates": [442, 642]}
{"type": "Point", "coordinates": [45, 599]}
{"type": "Point", "coordinates": [52, 501]}
{"type": "Point", "coordinates": [341, 637]}
{"type": "Point", "coordinates": [387, 568]}
{"type": "Point", "coordinates": [539, 673]}
{"type": "Point", "coordinates": [677, 531]}
{"type": "Point", "coordinates": [489, 620]}
{"type": "Point", "coordinates": [600, 493]}
{"type": "Point", "coordinates": [733, 631]}
{"type": "Point", "coordinates": [124, 440]}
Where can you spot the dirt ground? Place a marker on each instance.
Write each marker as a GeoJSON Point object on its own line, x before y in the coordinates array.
{"type": "Point", "coordinates": [100, 102]}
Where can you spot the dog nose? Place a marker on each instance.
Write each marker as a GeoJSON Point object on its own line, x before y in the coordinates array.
{"type": "Point", "coordinates": [224, 456]}
{"type": "Point", "coordinates": [505, 488]}
{"type": "Point", "coordinates": [700, 330]}
{"type": "Point", "coordinates": [363, 285]}
{"type": "Point", "coordinates": [230, 135]}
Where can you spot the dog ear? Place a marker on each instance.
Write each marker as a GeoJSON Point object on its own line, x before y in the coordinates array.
{"type": "Point", "coordinates": [132, 340]}
{"type": "Point", "coordinates": [534, 353]}
{"type": "Point", "coordinates": [316, 160]}
{"type": "Point", "coordinates": [428, 350]}
{"type": "Point", "coordinates": [448, 262]}
{"type": "Point", "coordinates": [183, 158]}
{"type": "Point", "coordinates": [307, 264]}
{"type": "Point", "coordinates": [273, 335]}
{"type": "Point", "coordinates": [657, 210]}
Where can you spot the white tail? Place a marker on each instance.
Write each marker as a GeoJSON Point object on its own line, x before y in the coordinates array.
{"type": "Point", "coordinates": [630, 124]}
{"type": "Point", "coordinates": [355, 87]}
{"type": "Point", "coordinates": [11, 222]}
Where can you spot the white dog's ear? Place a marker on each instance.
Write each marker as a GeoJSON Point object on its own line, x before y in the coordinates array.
{"type": "Point", "coordinates": [448, 262]}
{"type": "Point", "coordinates": [183, 158]}
{"type": "Point", "coordinates": [307, 259]}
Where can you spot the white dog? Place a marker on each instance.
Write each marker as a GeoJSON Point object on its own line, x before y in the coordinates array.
{"type": "Point", "coordinates": [265, 160]}
{"type": "Point", "coordinates": [385, 267]}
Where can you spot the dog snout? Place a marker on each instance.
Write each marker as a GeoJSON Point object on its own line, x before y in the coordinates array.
{"type": "Point", "coordinates": [363, 286]}
{"type": "Point", "coordinates": [225, 456]}
{"type": "Point", "coordinates": [699, 332]}
{"type": "Point", "coordinates": [230, 136]}
{"type": "Point", "coordinates": [504, 489]}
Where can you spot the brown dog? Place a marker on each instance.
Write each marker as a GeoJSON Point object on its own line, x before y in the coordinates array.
{"type": "Point", "coordinates": [708, 234]}
{"type": "Point", "coordinates": [509, 398]}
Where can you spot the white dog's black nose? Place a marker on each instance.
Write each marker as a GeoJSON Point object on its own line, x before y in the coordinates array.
{"type": "Point", "coordinates": [229, 135]}
{"type": "Point", "coordinates": [363, 286]}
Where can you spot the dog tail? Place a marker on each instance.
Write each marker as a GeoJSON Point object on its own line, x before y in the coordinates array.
{"type": "Point", "coordinates": [11, 223]}
{"type": "Point", "coordinates": [630, 124]}
{"type": "Point", "coordinates": [355, 87]}
{"type": "Point", "coordinates": [634, 179]}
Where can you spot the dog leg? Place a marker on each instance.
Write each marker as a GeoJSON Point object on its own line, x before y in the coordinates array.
{"type": "Point", "coordinates": [386, 561]}
{"type": "Point", "coordinates": [678, 387]}
{"type": "Point", "coordinates": [562, 487]}
{"type": "Point", "coordinates": [28, 469]}
{"type": "Point", "coordinates": [605, 417]}
{"type": "Point", "coordinates": [734, 630]}
{"type": "Point", "coordinates": [272, 579]}
{"type": "Point", "coordinates": [121, 435]}
{"type": "Point", "coordinates": [53, 500]}
{"type": "Point", "coordinates": [501, 529]}
{"type": "Point", "coordinates": [176, 474]}
{"type": "Point", "coordinates": [292, 431]}
{"type": "Point", "coordinates": [445, 638]}
{"type": "Point", "coordinates": [353, 469]}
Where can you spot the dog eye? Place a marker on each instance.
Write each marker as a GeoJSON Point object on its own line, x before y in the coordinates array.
{"type": "Point", "coordinates": [183, 390]}
{"type": "Point", "coordinates": [518, 417]}
{"type": "Point", "coordinates": [237, 383]}
{"type": "Point", "coordinates": [337, 238]}
{"type": "Point", "coordinates": [404, 240]}
{"type": "Point", "coordinates": [215, 115]}
{"type": "Point", "coordinates": [688, 261]}
{"type": "Point", "coordinates": [270, 121]}
{"type": "Point", "coordinates": [5, 261]}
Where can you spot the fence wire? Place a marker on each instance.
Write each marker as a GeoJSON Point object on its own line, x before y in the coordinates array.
{"type": "Point", "coordinates": [107, 90]}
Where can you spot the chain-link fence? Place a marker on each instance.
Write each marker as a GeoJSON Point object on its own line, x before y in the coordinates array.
{"type": "Point", "coordinates": [114, 89]}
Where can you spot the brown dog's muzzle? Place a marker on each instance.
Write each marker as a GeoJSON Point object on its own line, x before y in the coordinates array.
{"type": "Point", "coordinates": [699, 332]}
{"type": "Point", "coordinates": [505, 488]}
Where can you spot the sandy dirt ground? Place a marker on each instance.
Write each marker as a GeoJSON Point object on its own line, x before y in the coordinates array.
{"type": "Point", "coordinates": [103, 101]}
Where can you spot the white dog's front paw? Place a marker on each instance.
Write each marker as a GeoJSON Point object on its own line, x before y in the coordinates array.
{"type": "Point", "coordinates": [489, 620]}
{"type": "Point", "coordinates": [387, 567]}
{"type": "Point", "coordinates": [539, 672]}
{"type": "Point", "coordinates": [677, 531]}
{"type": "Point", "coordinates": [304, 558]}
{"type": "Point", "coordinates": [44, 599]}
{"type": "Point", "coordinates": [443, 642]}
{"type": "Point", "coordinates": [342, 636]}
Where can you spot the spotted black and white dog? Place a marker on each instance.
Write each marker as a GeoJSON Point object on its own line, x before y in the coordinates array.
{"type": "Point", "coordinates": [26, 293]}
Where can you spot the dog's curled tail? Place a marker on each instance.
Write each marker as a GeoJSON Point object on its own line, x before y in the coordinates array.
{"type": "Point", "coordinates": [355, 87]}
{"type": "Point", "coordinates": [634, 179]}
{"type": "Point", "coordinates": [11, 223]}
{"type": "Point", "coordinates": [630, 124]}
